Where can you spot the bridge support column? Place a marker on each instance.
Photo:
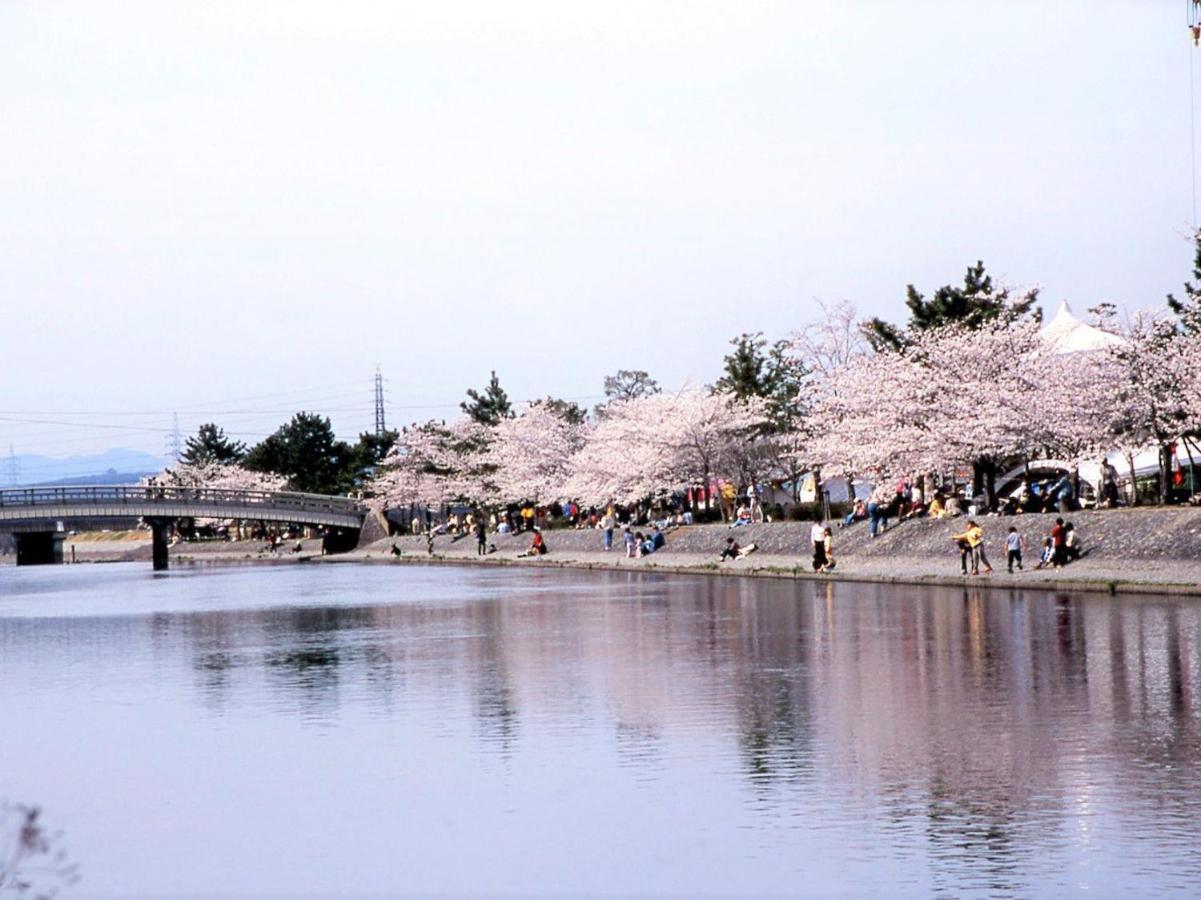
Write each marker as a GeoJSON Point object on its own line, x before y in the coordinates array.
{"type": "Point", "coordinates": [42, 548]}
{"type": "Point", "coordinates": [159, 530]}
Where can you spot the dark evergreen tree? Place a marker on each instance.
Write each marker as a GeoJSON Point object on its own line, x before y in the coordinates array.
{"type": "Point", "coordinates": [307, 452]}
{"type": "Point", "coordinates": [629, 384]}
{"type": "Point", "coordinates": [489, 407]}
{"type": "Point", "coordinates": [568, 410]}
{"type": "Point", "coordinates": [772, 373]}
{"type": "Point", "coordinates": [210, 445]}
{"type": "Point", "coordinates": [1189, 309]}
{"type": "Point", "coordinates": [973, 304]}
{"type": "Point", "coordinates": [372, 448]}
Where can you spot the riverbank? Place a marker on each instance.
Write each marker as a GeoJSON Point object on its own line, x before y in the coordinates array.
{"type": "Point", "coordinates": [1125, 551]}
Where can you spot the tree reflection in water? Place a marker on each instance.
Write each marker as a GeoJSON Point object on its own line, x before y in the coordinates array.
{"type": "Point", "coordinates": [935, 739]}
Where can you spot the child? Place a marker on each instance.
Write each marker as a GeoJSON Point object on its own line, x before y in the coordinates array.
{"type": "Point", "coordinates": [631, 543]}
{"type": "Point", "coordinates": [1071, 542]}
{"type": "Point", "coordinates": [1015, 544]}
{"type": "Point", "coordinates": [1048, 554]}
{"type": "Point", "coordinates": [828, 546]}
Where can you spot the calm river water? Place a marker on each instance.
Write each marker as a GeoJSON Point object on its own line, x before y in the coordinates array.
{"type": "Point", "coordinates": [341, 729]}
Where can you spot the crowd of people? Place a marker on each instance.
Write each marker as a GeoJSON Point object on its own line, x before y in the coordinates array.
{"type": "Point", "coordinates": [643, 527]}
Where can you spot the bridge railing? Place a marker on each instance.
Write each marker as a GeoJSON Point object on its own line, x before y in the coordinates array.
{"type": "Point", "coordinates": [141, 495]}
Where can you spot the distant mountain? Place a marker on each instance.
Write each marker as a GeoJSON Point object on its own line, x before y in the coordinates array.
{"type": "Point", "coordinates": [116, 466]}
{"type": "Point", "coordinates": [110, 477]}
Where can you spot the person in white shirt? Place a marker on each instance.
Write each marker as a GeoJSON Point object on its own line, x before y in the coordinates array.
{"type": "Point", "coordinates": [607, 523]}
{"type": "Point", "coordinates": [817, 536]}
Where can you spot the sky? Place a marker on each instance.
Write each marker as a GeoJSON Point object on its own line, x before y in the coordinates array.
{"type": "Point", "coordinates": [231, 211]}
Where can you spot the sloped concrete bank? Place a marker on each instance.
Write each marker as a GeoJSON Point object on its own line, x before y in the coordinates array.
{"type": "Point", "coordinates": [1155, 551]}
{"type": "Point", "coordinates": [1128, 551]}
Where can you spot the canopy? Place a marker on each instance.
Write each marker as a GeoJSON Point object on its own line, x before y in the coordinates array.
{"type": "Point", "coordinates": [1067, 334]}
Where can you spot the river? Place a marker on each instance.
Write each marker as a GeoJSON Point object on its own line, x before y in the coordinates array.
{"type": "Point", "coordinates": [372, 730]}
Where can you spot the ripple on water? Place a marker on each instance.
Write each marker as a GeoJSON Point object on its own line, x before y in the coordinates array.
{"type": "Point", "coordinates": [467, 731]}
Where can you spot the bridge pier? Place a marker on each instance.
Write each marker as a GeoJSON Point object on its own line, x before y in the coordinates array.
{"type": "Point", "coordinates": [40, 548]}
{"type": "Point", "coordinates": [159, 530]}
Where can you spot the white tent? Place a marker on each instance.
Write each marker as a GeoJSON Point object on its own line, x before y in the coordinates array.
{"type": "Point", "coordinates": [1067, 334]}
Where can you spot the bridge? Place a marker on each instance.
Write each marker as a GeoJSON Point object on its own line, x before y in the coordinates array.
{"type": "Point", "coordinates": [37, 516]}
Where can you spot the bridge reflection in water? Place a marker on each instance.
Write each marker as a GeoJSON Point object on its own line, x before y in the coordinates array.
{"type": "Point", "coordinates": [40, 517]}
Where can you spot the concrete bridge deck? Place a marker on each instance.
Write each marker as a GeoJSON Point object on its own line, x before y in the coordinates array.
{"type": "Point", "coordinates": [39, 513]}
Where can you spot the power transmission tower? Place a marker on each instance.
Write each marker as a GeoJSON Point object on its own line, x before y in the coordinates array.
{"type": "Point", "coordinates": [12, 468]}
{"type": "Point", "coordinates": [174, 441]}
{"type": "Point", "coordinates": [380, 426]}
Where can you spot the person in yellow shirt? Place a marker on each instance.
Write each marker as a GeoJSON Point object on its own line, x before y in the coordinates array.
{"type": "Point", "coordinates": [971, 543]}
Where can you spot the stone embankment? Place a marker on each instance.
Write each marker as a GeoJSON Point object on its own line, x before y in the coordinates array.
{"type": "Point", "coordinates": [1125, 550]}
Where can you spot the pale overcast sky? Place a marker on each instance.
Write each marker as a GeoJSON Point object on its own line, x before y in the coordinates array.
{"type": "Point", "coordinates": [205, 203]}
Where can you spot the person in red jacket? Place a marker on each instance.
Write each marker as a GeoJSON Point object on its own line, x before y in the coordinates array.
{"type": "Point", "coordinates": [1059, 555]}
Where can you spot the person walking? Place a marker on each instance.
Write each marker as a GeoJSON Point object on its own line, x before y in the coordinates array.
{"type": "Point", "coordinates": [973, 536]}
{"type": "Point", "coordinates": [817, 537]}
{"type": "Point", "coordinates": [1014, 545]}
{"type": "Point", "coordinates": [481, 537]}
{"type": "Point", "coordinates": [607, 523]}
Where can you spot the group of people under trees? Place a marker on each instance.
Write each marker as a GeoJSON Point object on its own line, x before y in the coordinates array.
{"type": "Point", "coordinates": [921, 496]}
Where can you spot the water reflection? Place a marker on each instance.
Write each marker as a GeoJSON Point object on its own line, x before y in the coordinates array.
{"type": "Point", "coordinates": [909, 739]}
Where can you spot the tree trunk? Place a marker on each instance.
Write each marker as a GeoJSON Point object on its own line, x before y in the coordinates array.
{"type": "Point", "coordinates": [1165, 473]}
{"type": "Point", "coordinates": [1188, 448]}
{"type": "Point", "coordinates": [1134, 501]}
{"type": "Point", "coordinates": [984, 481]}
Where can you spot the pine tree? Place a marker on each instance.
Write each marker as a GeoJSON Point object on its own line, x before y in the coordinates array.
{"type": "Point", "coordinates": [489, 407]}
{"type": "Point", "coordinates": [308, 453]}
{"type": "Point", "coordinates": [211, 446]}
{"type": "Point", "coordinates": [1189, 309]}
{"type": "Point", "coordinates": [974, 305]}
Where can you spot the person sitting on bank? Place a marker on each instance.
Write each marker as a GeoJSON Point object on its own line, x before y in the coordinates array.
{"type": "Point", "coordinates": [1048, 554]}
{"type": "Point", "coordinates": [734, 551]}
{"type": "Point", "coordinates": [1071, 543]}
{"type": "Point", "coordinates": [657, 538]}
{"type": "Point", "coordinates": [858, 513]}
{"type": "Point", "coordinates": [1064, 493]}
{"type": "Point", "coordinates": [743, 517]}
{"type": "Point", "coordinates": [537, 546]}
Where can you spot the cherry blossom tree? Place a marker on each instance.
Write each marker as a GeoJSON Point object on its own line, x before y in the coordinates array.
{"type": "Point", "coordinates": [955, 394]}
{"type": "Point", "coordinates": [433, 464]}
{"type": "Point", "coordinates": [530, 456]}
{"type": "Point", "coordinates": [218, 476]}
{"type": "Point", "coordinates": [663, 440]}
{"type": "Point", "coordinates": [1156, 388]}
